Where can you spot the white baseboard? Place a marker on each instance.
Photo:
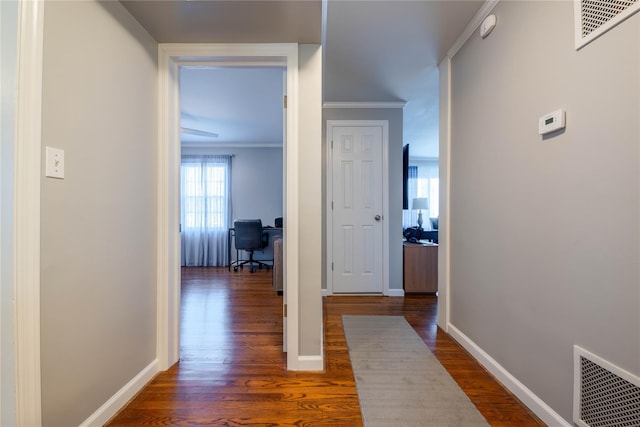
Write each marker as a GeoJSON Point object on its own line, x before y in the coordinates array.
{"type": "Point", "coordinates": [310, 363]}
{"type": "Point", "coordinates": [526, 396]}
{"type": "Point", "coordinates": [390, 293]}
{"type": "Point", "coordinates": [124, 395]}
{"type": "Point", "coordinates": [395, 293]}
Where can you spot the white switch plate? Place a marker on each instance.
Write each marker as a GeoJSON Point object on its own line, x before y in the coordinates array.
{"type": "Point", "coordinates": [54, 163]}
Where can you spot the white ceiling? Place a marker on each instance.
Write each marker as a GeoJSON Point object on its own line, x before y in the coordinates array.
{"type": "Point", "coordinates": [374, 51]}
{"type": "Point", "coordinates": [242, 105]}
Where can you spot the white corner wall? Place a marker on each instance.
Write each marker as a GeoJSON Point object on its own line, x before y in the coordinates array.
{"type": "Point", "coordinates": [545, 232]}
{"type": "Point", "coordinates": [98, 241]}
{"type": "Point", "coordinates": [310, 204]}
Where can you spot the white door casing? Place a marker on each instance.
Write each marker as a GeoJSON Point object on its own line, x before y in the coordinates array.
{"type": "Point", "coordinates": [284, 191]}
{"type": "Point", "coordinates": [170, 57]}
{"type": "Point", "coordinates": [357, 207]}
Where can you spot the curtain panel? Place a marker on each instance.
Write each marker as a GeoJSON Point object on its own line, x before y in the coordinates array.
{"type": "Point", "coordinates": [205, 209]}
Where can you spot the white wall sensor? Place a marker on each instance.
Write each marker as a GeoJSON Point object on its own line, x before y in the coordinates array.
{"type": "Point", "coordinates": [487, 25]}
{"type": "Point", "coordinates": [551, 122]}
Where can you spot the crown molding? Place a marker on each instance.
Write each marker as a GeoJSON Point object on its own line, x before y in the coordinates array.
{"type": "Point", "coordinates": [473, 25]}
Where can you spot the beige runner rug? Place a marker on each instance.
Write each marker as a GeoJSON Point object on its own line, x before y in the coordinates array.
{"type": "Point", "coordinates": [400, 382]}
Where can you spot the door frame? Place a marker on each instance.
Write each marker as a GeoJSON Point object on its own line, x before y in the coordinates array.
{"type": "Point", "coordinates": [384, 124]}
{"type": "Point", "coordinates": [170, 57]}
{"type": "Point", "coordinates": [27, 148]}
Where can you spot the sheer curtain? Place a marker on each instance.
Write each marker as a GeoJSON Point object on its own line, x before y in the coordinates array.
{"type": "Point", "coordinates": [424, 181]}
{"type": "Point", "coordinates": [205, 209]}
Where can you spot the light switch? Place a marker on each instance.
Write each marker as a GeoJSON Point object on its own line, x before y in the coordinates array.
{"type": "Point", "coordinates": [54, 159]}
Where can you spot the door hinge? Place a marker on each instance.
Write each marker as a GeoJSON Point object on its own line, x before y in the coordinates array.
{"type": "Point", "coordinates": [284, 102]}
{"type": "Point", "coordinates": [332, 205]}
{"type": "Point", "coordinates": [332, 144]}
{"type": "Point", "coordinates": [284, 310]}
{"type": "Point", "coordinates": [332, 266]}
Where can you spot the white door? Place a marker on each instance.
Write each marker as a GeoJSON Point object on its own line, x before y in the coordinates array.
{"type": "Point", "coordinates": [357, 194]}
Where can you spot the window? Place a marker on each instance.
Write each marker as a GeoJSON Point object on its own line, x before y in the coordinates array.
{"type": "Point", "coordinates": [205, 194]}
{"type": "Point", "coordinates": [205, 209]}
{"type": "Point", "coordinates": [424, 181]}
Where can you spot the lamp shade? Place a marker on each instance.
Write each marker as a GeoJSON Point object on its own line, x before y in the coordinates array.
{"type": "Point", "coordinates": [420, 203]}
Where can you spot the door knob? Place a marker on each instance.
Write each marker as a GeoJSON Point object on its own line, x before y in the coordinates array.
{"type": "Point", "coordinates": [377, 217]}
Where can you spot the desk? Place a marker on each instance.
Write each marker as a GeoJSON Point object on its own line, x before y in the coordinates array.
{"type": "Point", "coordinates": [268, 251]}
{"type": "Point", "coordinates": [420, 267]}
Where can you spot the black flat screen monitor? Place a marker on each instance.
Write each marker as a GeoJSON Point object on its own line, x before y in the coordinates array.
{"type": "Point", "coordinates": [405, 177]}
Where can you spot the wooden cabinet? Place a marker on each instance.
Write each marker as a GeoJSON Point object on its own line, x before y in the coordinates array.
{"type": "Point", "coordinates": [420, 267]}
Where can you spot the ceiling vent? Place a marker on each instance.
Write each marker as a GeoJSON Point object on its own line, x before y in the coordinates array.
{"type": "Point", "coordinates": [604, 394]}
{"type": "Point", "coordinates": [596, 17]}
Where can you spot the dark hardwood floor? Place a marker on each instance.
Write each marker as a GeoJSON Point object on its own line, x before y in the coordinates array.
{"type": "Point", "coordinates": [233, 371]}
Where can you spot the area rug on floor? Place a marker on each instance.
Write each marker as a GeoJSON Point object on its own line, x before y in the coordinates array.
{"type": "Point", "coordinates": [399, 381]}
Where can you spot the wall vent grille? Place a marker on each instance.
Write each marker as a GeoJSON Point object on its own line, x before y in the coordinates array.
{"type": "Point", "coordinates": [596, 17]}
{"type": "Point", "coordinates": [605, 395]}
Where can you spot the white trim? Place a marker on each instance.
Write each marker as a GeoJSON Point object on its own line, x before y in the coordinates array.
{"type": "Point", "coordinates": [170, 56]}
{"type": "Point", "coordinates": [291, 233]}
{"type": "Point", "coordinates": [231, 145]}
{"type": "Point", "coordinates": [233, 64]}
{"type": "Point", "coordinates": [473, 25]}
{"type": "Point", "coordinates": [400, 104]}
{"type": "Point", "coordinates": [395, 293]}
{"type": "Point", "coordinates": [444, 230]}
{"type": "Point", "coordinates": [423, 159]}
{"type": "Point", "coordinates": [384, 124]}
{"type": "Point", "coordinates": [310, 363]}
{"type": "Point", "coordinates": [28, 149]}
{"type": "Point", "coordinates": [168, 292]}
{"type": "Point", "coordinates": [526, 396]}
{"type": "Point", "coordinates": [122, 396]}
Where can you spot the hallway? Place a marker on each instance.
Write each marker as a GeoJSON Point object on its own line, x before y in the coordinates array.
{"type": "Point", "coordinates": [232, 369]}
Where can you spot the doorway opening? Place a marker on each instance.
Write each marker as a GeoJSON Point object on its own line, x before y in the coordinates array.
{"type": "Point", "coordinates": [231, 134]}
{"type": "Point", "coordinates": [171, 58]}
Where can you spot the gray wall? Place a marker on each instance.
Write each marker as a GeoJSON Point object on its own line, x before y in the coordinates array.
{"type": "Point", "coordinates": [8, 38]}
{"type": "Point", "coordinates": [256, 181]}
{"type": "Point", "coordinates": [394, 116]}
{"type": "Point", "coordinates": [545, 232]}
{"type": "Point", "coordinates": [98, 249]}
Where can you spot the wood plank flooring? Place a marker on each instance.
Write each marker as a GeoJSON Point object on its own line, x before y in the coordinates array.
{"type": "Point", "coordinates": [233, 372]}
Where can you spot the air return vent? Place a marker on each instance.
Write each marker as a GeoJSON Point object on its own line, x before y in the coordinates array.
{"type": "Point", "coordinates": [604, 395]}
{"type": "Point", "coordinates": [596, 17]}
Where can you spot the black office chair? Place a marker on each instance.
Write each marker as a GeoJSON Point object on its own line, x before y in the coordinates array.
{"type": "Point", "coordinates": [250, 237]}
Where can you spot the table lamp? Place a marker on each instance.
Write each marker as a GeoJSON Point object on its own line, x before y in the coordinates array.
{"type": "Point", "coordinates": [420, 203]}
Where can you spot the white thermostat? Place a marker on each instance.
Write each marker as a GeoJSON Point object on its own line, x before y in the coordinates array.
{"type": "Point", "coordinates": [551, 122]}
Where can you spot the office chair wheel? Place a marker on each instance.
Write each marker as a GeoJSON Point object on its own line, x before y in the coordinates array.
{"type": "Point", "coordinates": [235, 269]}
